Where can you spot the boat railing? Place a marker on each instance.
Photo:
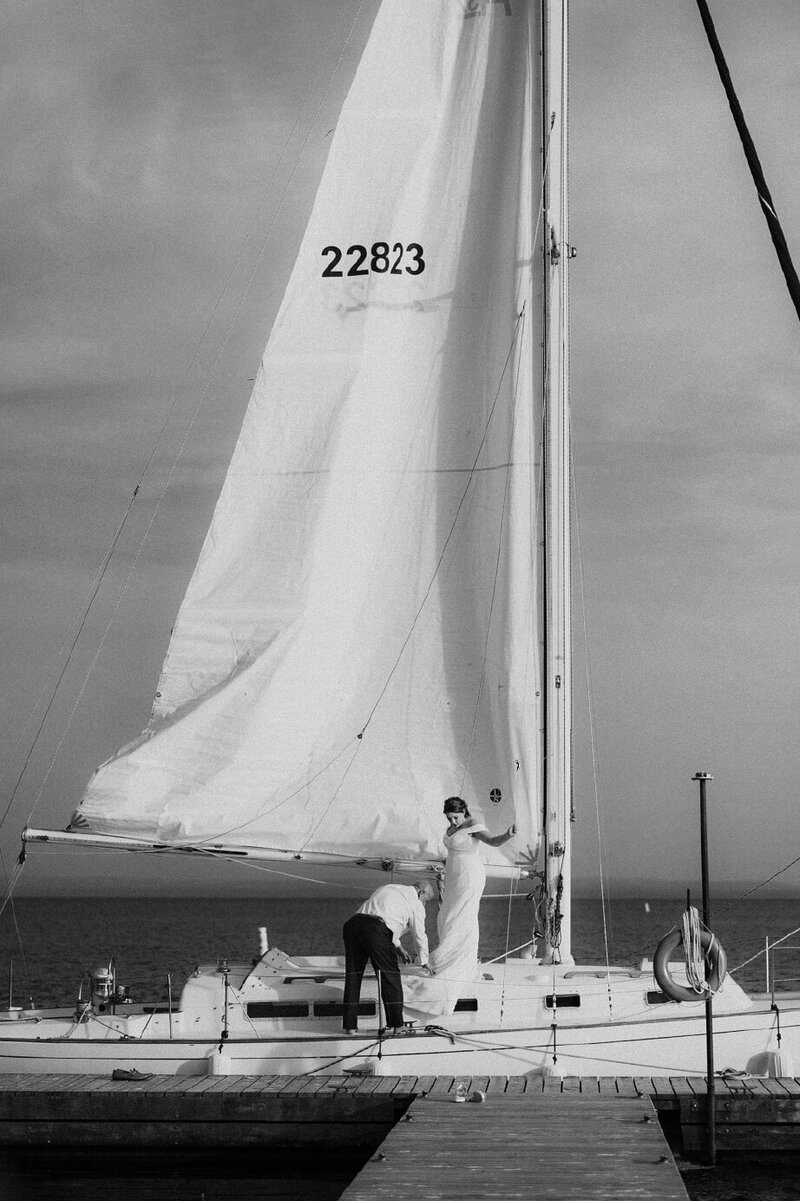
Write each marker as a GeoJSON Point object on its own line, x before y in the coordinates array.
{"type": "Point", "coordinates": [774, 982]}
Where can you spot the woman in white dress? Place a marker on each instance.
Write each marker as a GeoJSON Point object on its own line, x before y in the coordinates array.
{"type": "Point", "coordinates": [456, 956]}
{"type": "Point", "coordinates": [454, 962]}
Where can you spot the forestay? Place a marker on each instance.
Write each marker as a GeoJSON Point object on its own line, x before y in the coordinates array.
{"type": "Point", "coordinates": [360, 637]}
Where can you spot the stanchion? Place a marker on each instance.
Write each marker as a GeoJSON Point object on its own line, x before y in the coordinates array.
{"type": "Point", "coordinates": [711, 1127]}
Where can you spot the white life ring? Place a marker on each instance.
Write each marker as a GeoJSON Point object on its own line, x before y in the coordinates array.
{"type": "Point", "coordinates": [714, 954]}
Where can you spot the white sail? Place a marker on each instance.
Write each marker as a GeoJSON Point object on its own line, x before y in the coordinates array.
{"type": "Point", "coordinates": [360, 638]}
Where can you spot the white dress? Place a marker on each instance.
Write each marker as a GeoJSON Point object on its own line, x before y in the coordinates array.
{"type": "Point", "coordinates": [455, 959]}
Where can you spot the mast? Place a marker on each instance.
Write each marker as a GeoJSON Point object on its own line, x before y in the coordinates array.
{"type": "Point", "coordinates": [557, 614]}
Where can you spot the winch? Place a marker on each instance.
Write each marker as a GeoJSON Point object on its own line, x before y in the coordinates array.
{"type": "Point", "coordinates": [103, 988]}
{"type": "Point", "coordinates": [101, 984]}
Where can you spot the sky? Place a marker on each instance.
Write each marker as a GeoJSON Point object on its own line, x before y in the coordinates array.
{"type": "Point", "coordinates": [159, 162]}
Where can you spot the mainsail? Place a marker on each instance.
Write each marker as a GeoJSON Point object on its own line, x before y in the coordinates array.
{"type": "Point", "coordinates": [361, 635]}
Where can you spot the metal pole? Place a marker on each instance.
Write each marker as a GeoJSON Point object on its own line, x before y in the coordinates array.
{"type": "Point", "coordinates": [711, 1129]}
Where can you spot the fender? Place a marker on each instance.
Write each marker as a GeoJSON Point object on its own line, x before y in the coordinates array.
{"type": "Point", "coordinates": [714, 954]}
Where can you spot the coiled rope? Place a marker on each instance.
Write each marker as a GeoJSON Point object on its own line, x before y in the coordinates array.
{"type": "Point", "coordinates": [693, 951]}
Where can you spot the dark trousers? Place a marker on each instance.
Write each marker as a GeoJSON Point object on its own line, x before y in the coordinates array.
{"type": "Point", "coordinates": [368, 939]}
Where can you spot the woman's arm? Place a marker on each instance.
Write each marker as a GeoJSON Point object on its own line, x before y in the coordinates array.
{"type": "Point", "coordinates": [497, 840]}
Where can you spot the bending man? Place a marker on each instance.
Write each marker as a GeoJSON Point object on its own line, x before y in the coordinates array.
{"type": "Point", "coordinates": [373, 935]}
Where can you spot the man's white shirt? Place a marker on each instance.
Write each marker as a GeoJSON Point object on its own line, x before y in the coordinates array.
{"type": "Point", "coordinates": [401, 909]}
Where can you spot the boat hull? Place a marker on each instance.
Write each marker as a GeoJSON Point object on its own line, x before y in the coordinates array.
{"type": "Point", "coordinates": [744, 1042]}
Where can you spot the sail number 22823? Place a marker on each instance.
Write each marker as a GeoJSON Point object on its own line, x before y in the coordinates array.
{"type": "Point", "coordinates": [379, 258]}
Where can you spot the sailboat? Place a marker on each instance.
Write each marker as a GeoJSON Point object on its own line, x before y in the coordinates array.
{"type": "Point", "coordinates": [380, 615]}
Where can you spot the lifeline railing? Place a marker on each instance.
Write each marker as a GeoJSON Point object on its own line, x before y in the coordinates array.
{"type": "Point", "coordinates": [770, 950]}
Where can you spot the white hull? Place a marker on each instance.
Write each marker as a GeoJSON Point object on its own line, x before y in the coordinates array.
{"type": "Point", "coordinates": [583, 1036]}
{"type": "Point", "coordinates": [676, 1048]}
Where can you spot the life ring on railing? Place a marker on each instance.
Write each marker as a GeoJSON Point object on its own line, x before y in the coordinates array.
{"type": "Point", "coordinates": [713, 953]}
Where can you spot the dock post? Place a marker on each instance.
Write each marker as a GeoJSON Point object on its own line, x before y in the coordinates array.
{"type": "Point", "coordinates": [711, 1128]}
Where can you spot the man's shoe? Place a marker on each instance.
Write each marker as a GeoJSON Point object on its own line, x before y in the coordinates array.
{"type": "Point", "coordinates": [351, 1032]}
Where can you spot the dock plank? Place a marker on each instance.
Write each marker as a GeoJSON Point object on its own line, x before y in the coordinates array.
{"type": "Point", "coordinates": [387, 1084]}
{"type": "Point", "coordinates": [791, 1085]}
{"type": "Point", "coordinates": [579, 1145]}
{"type": "Point", "coordinates": [424, 1083]}
{"type": "Point", "coordinates": [686, 1086]}
{"type": "Point", "coordinates": [441, 1086]}
{"type": "Point", "coordinates": [774, 1088]}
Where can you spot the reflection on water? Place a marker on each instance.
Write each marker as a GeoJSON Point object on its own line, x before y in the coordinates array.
{"type": "Point", "coordinates": [61, 1174]}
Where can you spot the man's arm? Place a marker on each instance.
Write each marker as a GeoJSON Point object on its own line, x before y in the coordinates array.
{"type": "Point", "coordinates": [417, 928]}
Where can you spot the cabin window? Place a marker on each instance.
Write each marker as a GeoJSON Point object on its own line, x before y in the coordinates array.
{"type": "Point", "coordinates": [277, 1009]}
{"type": "Point", "coordinates": [335, 1009]}
{"type": "Point", "coordinates": [466, 1005]}
{"type": "Point", "coordinates": [562, 1000]}
{"type": "Point", "coordinates": [657, 998]}
{"type": "Point", "coordinates": [304, 979]}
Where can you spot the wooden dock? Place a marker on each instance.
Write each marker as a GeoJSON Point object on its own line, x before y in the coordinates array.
{"type": "Point", "coordinates": [359, 1112]}
{"type": "Point", "coordinates": [533, 1145]}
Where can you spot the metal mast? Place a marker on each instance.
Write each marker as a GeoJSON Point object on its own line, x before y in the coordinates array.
{"type": "Point", "coordinates": [557, 614]}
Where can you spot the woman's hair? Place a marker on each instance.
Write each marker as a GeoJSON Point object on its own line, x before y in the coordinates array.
{"type": "Point", "coordinates": [454, 804]}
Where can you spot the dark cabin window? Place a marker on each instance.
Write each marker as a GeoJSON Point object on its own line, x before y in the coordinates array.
{"type": "Point", "coordinates": [466, 1005]}
{"type": "Point", "coordinates": [335, 1009]}
{"type": "Point", "coordinates": [657, 998]}
{"type": "Point", "coordinates": [562, 1001]}
{"type": "Point", "coordinates": [277, 1009]}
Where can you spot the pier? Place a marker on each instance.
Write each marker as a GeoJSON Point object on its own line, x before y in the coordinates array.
{"type": "Point", "coordinates": [451, 1136]}
{"type": "Point", "coordinates": [524, 1145]}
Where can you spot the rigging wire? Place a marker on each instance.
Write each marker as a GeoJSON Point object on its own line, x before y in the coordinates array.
{"type": "Point", "coordinates": [768, 880]}
{"type": "Point", "coordinates": [10, 899]}
{"type": "Point", "coordinates": [497, 561]}
{"type": "Point", "coordinates": [591, 711]}
{"type": "Point", "coordinates": [178, 396]}
{"type": "Point", "coordinates": [78, 623]}
{"type": "Point", "coordinates": [273, 871]}
{"type": "Point", "coordinates": [763, 950]}
{"type": "Point", "coordinates": [753, 162]}
{"type": "Point", "coordinates": [12, 883]}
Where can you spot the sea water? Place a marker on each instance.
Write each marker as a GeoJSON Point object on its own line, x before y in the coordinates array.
{"type": "Point", "coordinates": [50, 943]}
{"type": "Point", "coordinates": [47, 945]}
